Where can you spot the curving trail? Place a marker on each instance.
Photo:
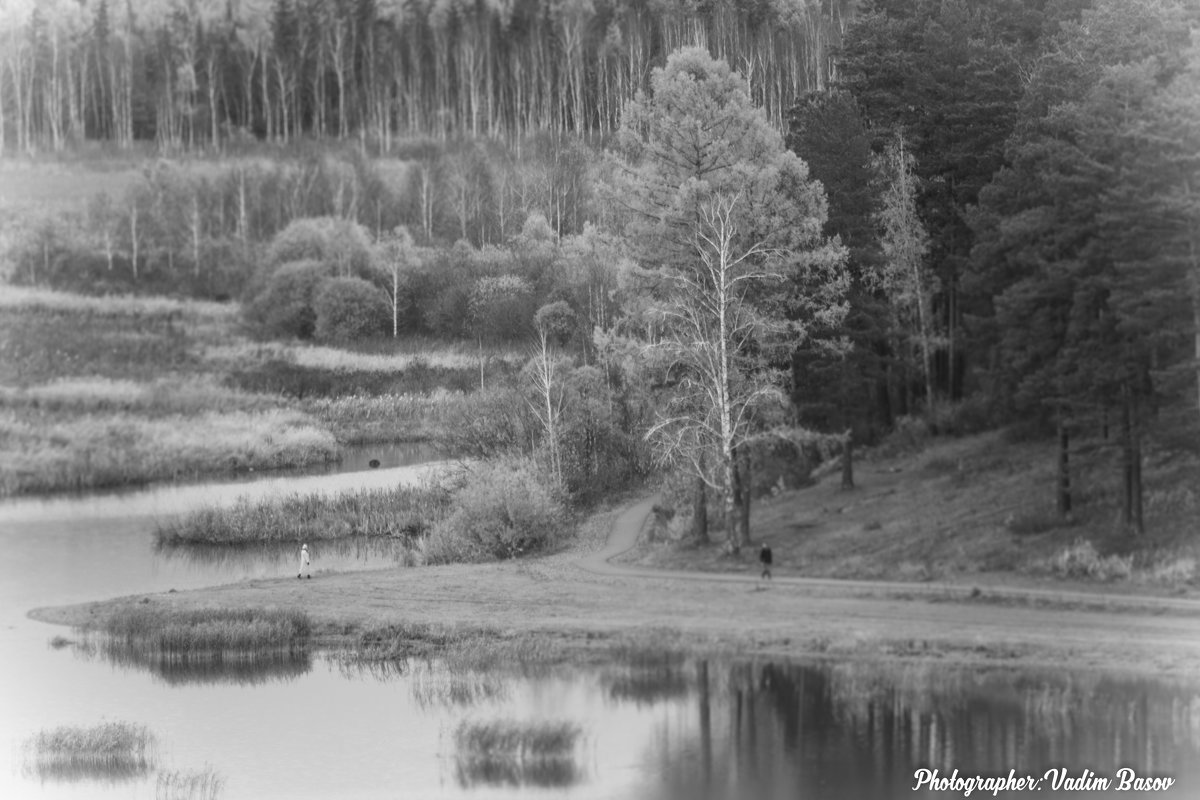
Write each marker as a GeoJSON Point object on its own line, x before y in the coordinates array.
{"type": "Point", "coordinates": [577, 595]}
{"type": "Point", "coordinates": [629, 525]}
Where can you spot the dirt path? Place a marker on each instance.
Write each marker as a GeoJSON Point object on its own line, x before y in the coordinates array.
{"type": "Point", "coordinates": [630, 523]}
{"type": "Point", "coordinates": [580, 593]}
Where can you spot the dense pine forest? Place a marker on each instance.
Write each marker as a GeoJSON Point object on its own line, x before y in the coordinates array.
{"type": "Point", "coordinates": [938, 212]}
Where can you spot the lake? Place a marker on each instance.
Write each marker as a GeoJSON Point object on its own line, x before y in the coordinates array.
{"type": "Point", "coordinates": [660, 727]}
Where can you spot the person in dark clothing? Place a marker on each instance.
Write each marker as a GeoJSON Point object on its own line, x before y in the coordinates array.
{"type": "Point", "coordinates": [764, 555]}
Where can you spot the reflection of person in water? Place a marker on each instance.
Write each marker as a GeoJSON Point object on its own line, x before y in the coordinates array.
{"type": "Point", "coordinates": [764, 556]}
{"type": "Point", "coordinates": [304, 570]}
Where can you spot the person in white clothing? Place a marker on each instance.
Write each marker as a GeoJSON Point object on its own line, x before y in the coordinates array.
{"type": "Point", "coordinates": [304, 570]}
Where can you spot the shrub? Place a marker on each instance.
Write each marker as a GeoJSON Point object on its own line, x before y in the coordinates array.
{"type": "Point", "coordinates": [1081, 560]}
{"type": "Point", "coordinates": [504, 509]}
{"type": "Point", "coordinates": [975, 414]}
{"type": "Point", "coordinates": [348, 309]}
{"type": "Point", "coordinates": [496, 422]}
{"type": "Point", "coordinates": [339, 244]}
{"type": "Point", "coordinates": [285, 305]}
{"type": "Point", "coordinates": [558, 320]}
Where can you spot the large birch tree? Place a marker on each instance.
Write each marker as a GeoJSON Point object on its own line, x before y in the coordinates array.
{"type": "Point", "coordinates": [727, 226]}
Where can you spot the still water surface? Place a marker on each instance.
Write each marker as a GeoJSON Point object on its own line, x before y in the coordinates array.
{"type": "Point", "coordinates": [309, 727]}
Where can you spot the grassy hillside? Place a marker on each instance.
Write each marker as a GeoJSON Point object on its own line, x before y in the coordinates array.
{"type": "Point", "coordinates": [976, 509]}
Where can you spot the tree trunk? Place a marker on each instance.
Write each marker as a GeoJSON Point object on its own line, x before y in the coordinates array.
{"type": "Point", "coordinates": [746, 484]}
{"type": "Point", "coordinates": [848, 461]}
{"type": "Point", "coordinates": [706, 748]}
{"type": "Point", "coordinates": [1131, 509]}
{"type": "Point", "coordinates": [700, 509]}
{"type": "Point", "coordinates": [1064, 469]}
{"type": "Point", "coordinates": [1195, 259]}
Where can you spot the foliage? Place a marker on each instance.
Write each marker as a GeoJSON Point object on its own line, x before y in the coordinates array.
{"type": "Point", "coordinates": [504, 509]}
{"type": "Point", "coordinates": [497, 421]}
{"type": "Point", "coordinates": [736, 225]}
{"type": "Point", "coordinates": [500, 307]}
{"type": "Point", "coordinates": [341, 246]}
{"type": "Point", "coordinates": [558, 321]}
{"type": "Point", "coordinates": [501, 70]}
{"type": "Point", "coordinates": [285, 305]}
{"type": "Point", "coordinates": [1081, 560]}
{"type": "Point", "coordinates": [348, 309]}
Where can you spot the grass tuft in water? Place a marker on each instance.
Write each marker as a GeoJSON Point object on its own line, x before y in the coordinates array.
{"type": "Point", "coordinates": [204, 784]}
{"type": "Point", "coordinates": [205, 632]}
{"type": "Point", "coordinates": [108, 751]}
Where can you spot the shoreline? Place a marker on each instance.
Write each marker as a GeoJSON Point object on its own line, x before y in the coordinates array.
{"type": "Point", "coordinates": [579, 601]}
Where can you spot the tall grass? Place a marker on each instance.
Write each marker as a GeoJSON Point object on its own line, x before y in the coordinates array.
{"type": "Point", "coordinates": [401, 512]}
{"type": "Point", "coordinates": [204, 784]}
{"type": "Point", "coordinates": [357, 419]}
{"type": "Point", "coordinates": [162, 397]}
{"type": "Point", "coordinates": [206, 632]}
{"type": "Point", "coordinates": [22, 298]}
{"type": "Point", "coordinates": [96, 450]}
{"type": "Point", "coordinates": [110, 750]}
{"type": "Point", "coordinates": [433, 355]}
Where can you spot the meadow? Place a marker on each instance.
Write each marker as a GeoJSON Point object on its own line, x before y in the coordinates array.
{"type": "Point", "coordinates": [114, 391]}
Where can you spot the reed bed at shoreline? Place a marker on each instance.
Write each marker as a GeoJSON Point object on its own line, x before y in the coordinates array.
{"type": "Point", "coordinates": [151, 631]}
{"type": "Point", "coordinates": [100, 450]}
{"type": "Point", "coordinates": [401, 512]}
{"type": "Point", "coordinates": [109, 750]}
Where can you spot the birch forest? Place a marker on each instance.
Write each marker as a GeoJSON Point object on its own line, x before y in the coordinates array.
{"type": "Point", "coordinates": [191, 73]}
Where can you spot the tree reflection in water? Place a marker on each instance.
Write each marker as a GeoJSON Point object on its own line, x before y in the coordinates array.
{"type": "Point", "coordinates": [204, 668]}
{"type": "Point", "coordinates": [862, 729]}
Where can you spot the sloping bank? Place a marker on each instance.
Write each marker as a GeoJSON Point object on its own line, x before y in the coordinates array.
{"type": "Point", "coordinates": [561, 606]}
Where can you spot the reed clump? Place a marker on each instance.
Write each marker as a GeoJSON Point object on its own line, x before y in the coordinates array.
{"type": "Point", "coordinates": [401, 512]}
{"type": "Point", "coordinates": [203, 633]}
{"type": "Point", "coordinates": [109, 750]}
{"type": "Point", "coordinates": [176, 784]}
